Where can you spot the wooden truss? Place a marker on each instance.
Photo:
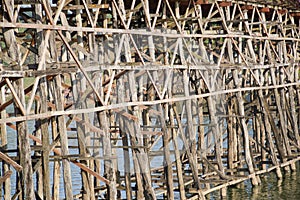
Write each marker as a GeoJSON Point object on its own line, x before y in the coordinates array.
{"type": "Point", "coordinates": [146, 99]}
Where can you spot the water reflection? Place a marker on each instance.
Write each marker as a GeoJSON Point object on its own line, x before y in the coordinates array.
{"type": "Point", "coordinates": [270, 188]}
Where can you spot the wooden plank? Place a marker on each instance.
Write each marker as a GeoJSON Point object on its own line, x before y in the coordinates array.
{"type": "Point", "coordinates": [145, 103]}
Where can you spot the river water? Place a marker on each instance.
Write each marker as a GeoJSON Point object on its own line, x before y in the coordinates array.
{"type": "Point", "coordinates": [270, 188]}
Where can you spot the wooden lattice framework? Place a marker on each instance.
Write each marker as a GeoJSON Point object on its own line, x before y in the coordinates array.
{"type": "Point", "coordinates": [146, 99]}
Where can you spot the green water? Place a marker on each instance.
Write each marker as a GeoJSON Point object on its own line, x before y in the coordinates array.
{"type": "Point", "coordinates": [270, 188]}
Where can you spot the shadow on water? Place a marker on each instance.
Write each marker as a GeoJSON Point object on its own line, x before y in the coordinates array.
{"type": "Point", "coordinates": [270, 188]}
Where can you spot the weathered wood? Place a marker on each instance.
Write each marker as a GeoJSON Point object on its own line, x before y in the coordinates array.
{"type": "Point", "coordinates": [58, 100]}
{"type": "Point", "coordinates": [211, 84]}
{"type": "Point", "coordinates": [89, 6]}
{"type": "Point", "coordinates": [4, 143]}
{"type": "Point", "coordinates": [26, 184]}
{"type": "Point", "coordinates": [11, 162]}
{"type": "Point", "coordinates": [56, 166]}
{"type": "Point", "coordinates": [190, 157]}
{"type": "Point", "coordinates": [177, 157]}
{"type": "Point", "coordinates": [244, 129]}
{"type": "Point", "coordinates": [125, 142]}
{"type": "Point", "coordinates": [167, 162]}
{"type": "Point", "coordinates": [81, 166]}
{"type": "Point", "coordinates": [45, 140]}
{"type": "Point", "coordinates": [5, 177]}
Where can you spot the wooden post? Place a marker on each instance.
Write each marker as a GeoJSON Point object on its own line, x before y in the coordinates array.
{"type": "Point", "coordinates": [179, 74]}
{"type": "Point", "coordinates": [7, 182]}
{"type": "Point", "coordinates": [25, 177]}
{"type": "Point", "coordinates": [82, 131]}
{"type": "Point", "coordinates": [45, 140]}
{"type": "Point", "coordinates": [4, 142]}
{"type": "Point", "coordinates": [167, 162]}
{"type": "Point", "coordinates": [57, 164]}
{"type": "Point", "coordinates": [58, 101]}
{"type": "Point", "coordinates": [125, 139]}
{"type": "Point", "coordinates": [109, 168]}
{"type": "Point", "coordinates": [245, 133]}
{"type": "Point", "coordinates": [142, 157]}
{"type": "Point", "coordinates": [177, 156]}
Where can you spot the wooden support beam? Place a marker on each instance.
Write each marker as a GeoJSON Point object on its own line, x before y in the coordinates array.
{"type": "Point", "coordinates": [247, 7]}
{"type": "Point", "coordinates": [11, 162]}
{"type": "Point", "coordinates": [265, 10]}
{"type": "Point", "coordinates": [154, 85]}
{"type": "Point", "coordinates": [6, 176]}
{"type": "Point", "coordinates": [16, 97]}
{"type": "Point", "coordinates": [89, 6]}
{"type": "Point", "coordinates": [225, 3]}
{"type": "Point", "coordinates": [201, 2]}
{"type": "Point", "coordinates": [295, 14]}
{"type": "Point", "coordinates": [282, 11]}
{"type": "Point", "coordinates": [27, 2]}
{"type": "Point", "coordinates": [77, 163]}
{"type": "Point", "coordinates": [10, 9]}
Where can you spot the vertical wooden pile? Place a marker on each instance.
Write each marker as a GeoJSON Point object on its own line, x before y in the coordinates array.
{"type": "Point", "coordinates": [165, 99]}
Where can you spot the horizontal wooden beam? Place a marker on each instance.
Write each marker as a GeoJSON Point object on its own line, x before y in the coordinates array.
{"type": "Point", "coordinates": [21, 2]}
{"type": "Point", "coordinates": [282, 11]}
{"type": "Point", "coordinates": [143, 103]}
{"type": "Point", "coordinates": [247, 7]}
{"type": "Point", "coordinates": [77, 163]}
{"type": "Point", "coordinates": [265, 10]}
{"type": "Point", "coordinates": [50, 72]}
{"type": "Point", "coordinates": [225, 3]}
{"type": "Point", "coordinates": [295, 14]}
{"type": "Point", "coordinates": [199, 2]}
{"type": "Point", "coordinates": [90, 6]}
{"type": "Point", "coordinates": [12, 74]}
{"type": "Point", "coordinates": [144, 32]}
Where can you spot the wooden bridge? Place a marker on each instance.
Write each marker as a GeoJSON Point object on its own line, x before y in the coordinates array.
{"type": "Point", "coordinates": [160, 99]}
